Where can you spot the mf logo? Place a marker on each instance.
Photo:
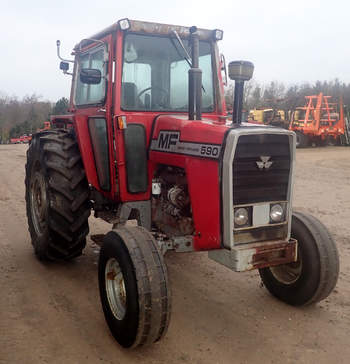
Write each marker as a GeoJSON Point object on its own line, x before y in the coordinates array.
{"type": "Point", "coordinates": [264, 163]}
{"type": "Point", "coordinates": [167, 138]}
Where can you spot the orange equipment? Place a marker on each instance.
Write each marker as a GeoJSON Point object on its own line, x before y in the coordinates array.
{"type": "Point", "coordinates": [319, 121]}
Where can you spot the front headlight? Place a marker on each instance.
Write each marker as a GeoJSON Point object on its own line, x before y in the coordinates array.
{"type": "Point", "coordinates": [241, 216]}
{"type": "Point", "coordinates": [276, 213]}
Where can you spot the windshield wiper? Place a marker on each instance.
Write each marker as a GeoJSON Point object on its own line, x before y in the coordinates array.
{"type": "Point", "coordinates": [186, 57]}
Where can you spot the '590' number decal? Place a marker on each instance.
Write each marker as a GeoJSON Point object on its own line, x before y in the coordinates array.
{"type": "Point", "coordinates": [209, 150]}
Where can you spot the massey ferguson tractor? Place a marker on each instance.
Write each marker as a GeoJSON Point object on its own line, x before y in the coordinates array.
{"type": "Point", "coordinates": [148, 139]}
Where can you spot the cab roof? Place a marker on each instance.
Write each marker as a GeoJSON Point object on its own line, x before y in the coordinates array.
{"type": "Point", "coordinates": [138, 26]}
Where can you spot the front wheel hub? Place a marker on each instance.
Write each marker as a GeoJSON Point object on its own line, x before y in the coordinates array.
{"type": "Point", "coordinates": [115, 288]}
{"type": "Point", "coordinates": [288, 273]}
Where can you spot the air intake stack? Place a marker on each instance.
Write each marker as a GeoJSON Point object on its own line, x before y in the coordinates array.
{"type": "Point", "coordinates": [194, 79]}
{"type": "Point", "coordinates": [239, 71]}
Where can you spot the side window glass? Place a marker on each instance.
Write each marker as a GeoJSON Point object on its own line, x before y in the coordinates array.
{"type": "Point", "coordinates": [97, 92]}
{"type": "Point", "coordinates": [81, 89]}
{"type": "Point", "coordinates": [99, 139]}
{"type": "Point", "coordinates": [207, 81]}
{"type": "Point", "coordinates": [91, 94]}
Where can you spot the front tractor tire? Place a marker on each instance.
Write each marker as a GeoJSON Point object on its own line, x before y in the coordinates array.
{"type": "Point", "coordinates": [57, 196]}
{"type": "Point", "coordinates": [134, 287]}
{"type": "Point", "coordinates": [315, 273]}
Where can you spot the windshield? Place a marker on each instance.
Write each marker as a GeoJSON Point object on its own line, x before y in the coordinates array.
{"type": "Point", "coordinates": [155, 74]}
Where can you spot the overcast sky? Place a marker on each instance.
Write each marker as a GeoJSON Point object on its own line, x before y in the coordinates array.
{"type": "Point", "coordinates": [290, 41]}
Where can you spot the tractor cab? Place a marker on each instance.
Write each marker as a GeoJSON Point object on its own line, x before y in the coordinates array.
{"type": "Point", "coordinates": [126, 77]}
{"type": "Point", "coordinates": [148, 65]}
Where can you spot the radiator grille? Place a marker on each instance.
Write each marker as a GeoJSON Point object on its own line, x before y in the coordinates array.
{"type": "Point", "coordinates": [252, 184]}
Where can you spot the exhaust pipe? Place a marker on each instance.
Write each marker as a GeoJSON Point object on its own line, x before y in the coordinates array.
{"type": "Point", "coordinates": [239, 71]}
{"type": "Point", "coordinates": [194, 79]}
{"type": "Point", "coordinates": [238, 102]}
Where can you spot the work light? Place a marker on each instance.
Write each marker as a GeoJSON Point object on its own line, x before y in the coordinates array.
{"type": "Point", "coordinates": [218, 34]}
{"type": "Point", "coordinates": [124, 24]}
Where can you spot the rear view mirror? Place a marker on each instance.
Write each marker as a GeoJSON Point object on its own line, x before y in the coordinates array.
{"type": "Point", "coordinates": [90, 76]}
{"type": "Point", "coordinates": [64, 66]}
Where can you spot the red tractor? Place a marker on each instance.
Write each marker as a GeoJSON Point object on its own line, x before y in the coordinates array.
{"type": "Point", "coordinates": [22, 139]}
{"type": "Point", "coordinates": [147, 139]}
{"type": "Point", "coordinates": [15, 140]}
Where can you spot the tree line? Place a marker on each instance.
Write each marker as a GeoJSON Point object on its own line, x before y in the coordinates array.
{"type": "Point", "coordinates": [26, 115]}
{"type": "Point", "coordinates": [277, 95]}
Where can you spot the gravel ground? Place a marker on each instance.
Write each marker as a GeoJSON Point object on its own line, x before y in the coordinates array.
{"type": "Point", "coordinates": [50, 313]}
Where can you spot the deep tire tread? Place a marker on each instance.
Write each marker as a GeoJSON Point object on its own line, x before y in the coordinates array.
{"type": "Point", "coordinates": [56, 167]}
{"type": "Point", "coordinates": [67, 194]}
{"type": "Point", "coordinates": [57, 154]}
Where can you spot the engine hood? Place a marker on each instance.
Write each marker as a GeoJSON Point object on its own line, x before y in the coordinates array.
{"type": "Point", "coordinates": [201, 138]}
{"type": "Point", "coordinates": [199, 148]}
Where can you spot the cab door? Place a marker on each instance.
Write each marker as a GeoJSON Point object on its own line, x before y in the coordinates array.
{"type": "Point", "coordinates": [93, 108]}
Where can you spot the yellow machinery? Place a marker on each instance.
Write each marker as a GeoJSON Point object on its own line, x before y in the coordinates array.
{"type": "Point", "coordinates": [267, 116]}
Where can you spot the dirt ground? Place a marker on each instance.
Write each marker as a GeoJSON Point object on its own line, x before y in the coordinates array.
{"type": "Point", "coordinates": [50, 313]}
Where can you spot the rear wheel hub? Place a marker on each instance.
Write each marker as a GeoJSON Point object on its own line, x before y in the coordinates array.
{"type": "Point", "coordinates": [38, 199]}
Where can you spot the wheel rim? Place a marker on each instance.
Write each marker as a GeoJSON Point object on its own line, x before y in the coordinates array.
{"type": "Point", "coordinates": [115, 288]}
{"type": "Point", "coordinates": [288, 273]}
{"type": "Point", "coordinates": [38, 202]}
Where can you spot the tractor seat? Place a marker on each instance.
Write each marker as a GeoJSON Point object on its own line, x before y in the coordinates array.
{"type": "Point", "coordinates": [129, 94]}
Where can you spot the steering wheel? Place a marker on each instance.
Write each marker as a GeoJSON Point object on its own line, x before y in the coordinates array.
{"type": "Point", "coordinates": [165, 92]}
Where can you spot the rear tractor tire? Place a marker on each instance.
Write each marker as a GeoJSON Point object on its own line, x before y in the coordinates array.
{"type": "Point", "coordinates": [134, 287]}
{"type": "Point", "coordinates": [315, 273]}
{"type": "Point", "coordinates": [57, 196]}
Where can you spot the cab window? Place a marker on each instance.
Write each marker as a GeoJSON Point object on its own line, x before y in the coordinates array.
{"type": "Point", "coordinates": [155, 74]}
{"type": "Point", "coordinates": [91, 94]}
